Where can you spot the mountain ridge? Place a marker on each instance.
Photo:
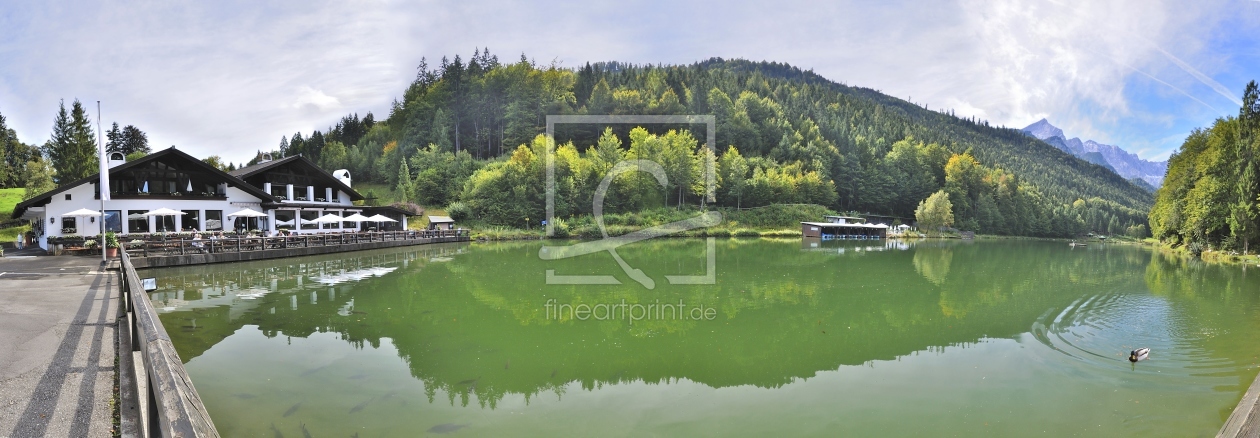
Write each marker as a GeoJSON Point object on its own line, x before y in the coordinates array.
{"type": "Point", "coordinates": [1115, 158]}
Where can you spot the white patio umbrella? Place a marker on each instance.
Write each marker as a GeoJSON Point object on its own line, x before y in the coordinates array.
{"type": "Point", "coordinates": [146, 187]}
{"type": "Point", "coordinates": [136, 216]}
{"type": "Point", "coordinates": [247, 212]}
{"type": "Point", "coordinates": [356, 218]}
{"type": "Point", "coordinates": [164, 212]}
{"type": "Point", "coordinates": [83, 212]}
{"type": "Point", "coordinates": [379, 218]}
{"type": "Point", "coordinates": [328, 219]}
{"type": "Point", "coordinates": [189, 186]}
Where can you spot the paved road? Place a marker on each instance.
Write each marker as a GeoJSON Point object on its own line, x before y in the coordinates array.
{"type": "Point", "coordinates": [57, 347]}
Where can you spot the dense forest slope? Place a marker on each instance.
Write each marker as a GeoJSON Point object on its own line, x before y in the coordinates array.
{"type": "Point", "coordinates": [1210, 198]}
{"type": "Point", "coordinates": [796, 137]}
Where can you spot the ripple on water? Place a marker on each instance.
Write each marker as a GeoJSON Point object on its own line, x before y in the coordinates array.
{"type": "Point", "coordinates": [1101, 330]}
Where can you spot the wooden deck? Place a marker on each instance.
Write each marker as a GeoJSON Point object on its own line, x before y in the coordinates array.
{"type": "Point", "coordinates": [196, 252]}
{"type": "Point", "coordinates": [1245, 420]}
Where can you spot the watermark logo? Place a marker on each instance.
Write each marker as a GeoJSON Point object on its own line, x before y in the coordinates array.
{"type": "Point", "coordinates": [632, 312]}
{"type": "Point", "coordinates": [610, 244]}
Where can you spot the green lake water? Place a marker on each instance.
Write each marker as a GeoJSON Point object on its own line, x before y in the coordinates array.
{"type": "Point", "coordinates": [937, 338]}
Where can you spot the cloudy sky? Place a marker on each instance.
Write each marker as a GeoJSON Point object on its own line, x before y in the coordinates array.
{"type": "Point", "coordinates": [231, 77]}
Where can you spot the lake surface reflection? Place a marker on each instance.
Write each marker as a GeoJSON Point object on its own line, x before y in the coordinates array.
{"type": "Point", "coordinates": [937, 338]}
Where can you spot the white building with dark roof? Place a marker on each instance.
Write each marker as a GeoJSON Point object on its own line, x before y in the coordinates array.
{"type": "Point", "coordinates": [164, 179]}
{"type": "Point", "coordinates": [291, 191]}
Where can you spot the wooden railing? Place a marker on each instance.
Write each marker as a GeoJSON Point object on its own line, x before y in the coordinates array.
{"type": "Point", "coordinates": [184, 246]}
{"type": "Point", "coordinates": [172, 407]}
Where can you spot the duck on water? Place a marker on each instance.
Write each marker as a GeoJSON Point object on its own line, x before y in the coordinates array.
{"type": "Point", "coordinates": [1139, 354]}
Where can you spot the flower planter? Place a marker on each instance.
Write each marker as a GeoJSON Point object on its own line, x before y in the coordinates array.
{"type": "Point", "coordinates": [111, 252]}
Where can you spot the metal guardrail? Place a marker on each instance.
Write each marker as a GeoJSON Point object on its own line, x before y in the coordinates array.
{"type": "Point", "coordinates": [173, 408]}
{"type": "Point", "coordinates": [184, 246]}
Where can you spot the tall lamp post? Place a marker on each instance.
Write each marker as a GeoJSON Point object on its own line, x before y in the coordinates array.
{"type": "Point", "coordinates": [103, 184]}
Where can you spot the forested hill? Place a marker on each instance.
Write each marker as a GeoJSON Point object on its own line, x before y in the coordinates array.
{"type": "Point", "coordinates": [871, 152]}
{"type": "Point", "coordinates": [889, 118]}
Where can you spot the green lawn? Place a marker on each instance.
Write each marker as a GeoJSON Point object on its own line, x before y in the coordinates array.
{"type": "Point", "coordinates": [8, 199]}
{"type": "Point", "coordinates": [422, 222]}
{"type": "Point", "coordinates": [9, 235]}
{"type": "Point", "coordinates": [384, 194]}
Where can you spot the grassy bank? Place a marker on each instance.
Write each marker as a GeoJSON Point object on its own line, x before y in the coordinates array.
{"type": "Point", "coordinates": [769, 221]}
{"type": "Point", "coordinates": [1230, 258]}
{"type": "Point", "coordinates": [383, 194]}
{"type": "Point", "coordinates": [1208, 255]}
{"type": "Point", "coordinates": [422, 222]}
{"type": "Point", "coordinates": [8, 199]}
{"type": "Point", "coordinates": [9, 228]}
{"type": "Point", "coordinates": [495, 233]}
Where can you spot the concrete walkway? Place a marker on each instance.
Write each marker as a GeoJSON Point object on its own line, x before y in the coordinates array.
{"type": "Point", "coordinates": [57, 347]}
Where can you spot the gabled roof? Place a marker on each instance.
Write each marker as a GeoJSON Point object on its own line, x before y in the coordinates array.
{"type": "Point", "coordinates": [248, 171]}
{"type": "Point", "coordinates": [45, 197]}
{"type": "Point", "coordinates": [835, 225]}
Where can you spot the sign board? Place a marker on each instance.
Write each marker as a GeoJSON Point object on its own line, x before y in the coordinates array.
{"type": "Point", "coordinates": [149, 284]}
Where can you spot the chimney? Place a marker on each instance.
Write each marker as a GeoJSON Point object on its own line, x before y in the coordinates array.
{"type": "Point", "coordinates": [116, 158]}
{"type": "Point", "coordinates": [342, 175]}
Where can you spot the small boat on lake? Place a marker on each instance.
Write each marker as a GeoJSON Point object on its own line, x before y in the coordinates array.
{"type": "Point", "coordinates": [1075, 244]}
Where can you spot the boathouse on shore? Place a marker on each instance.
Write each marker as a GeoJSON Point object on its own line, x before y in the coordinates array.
{"type": "Point", "coordinates": [843, 227]}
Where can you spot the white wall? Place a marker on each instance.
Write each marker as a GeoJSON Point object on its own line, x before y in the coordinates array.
{"type": "Point", "coordinates": [343, 203]}
{"type": "Point", "coordinates": [83, 196]}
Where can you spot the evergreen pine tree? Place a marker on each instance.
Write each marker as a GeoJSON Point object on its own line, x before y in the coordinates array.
{"type": "Point", "coordinates": [1243, 212]}
{"type": "Point", "coordinates": [113, 139]}
{"type": "Point", "coordinates": [72, 147]}
{"type": "Point", "coordinates": [296, 144]}
{"type": "Point", "coordinates": [84, 150]}
{"type": "Point", "coordinates": [7, 170]}
{"type": "Point", "coordinates": [134, 140]}
{"type": "Point", "coordinates": [405, 186]}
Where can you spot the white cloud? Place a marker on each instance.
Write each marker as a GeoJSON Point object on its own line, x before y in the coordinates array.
{"type": "Point", "coordinates": [309, 97]}
{"type": "Point", "coordinates": [211, 78]}
{"type": "Point", "coordinates": [231, 77]}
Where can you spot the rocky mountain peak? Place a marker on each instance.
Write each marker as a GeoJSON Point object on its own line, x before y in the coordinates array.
{"type": "Point", "coordinates": [1124, 163]}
